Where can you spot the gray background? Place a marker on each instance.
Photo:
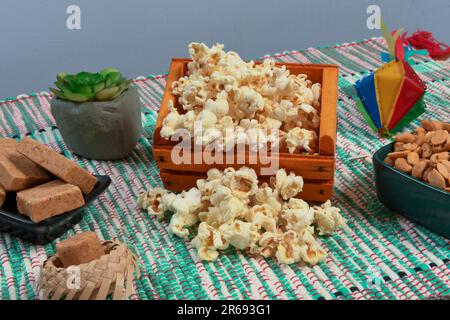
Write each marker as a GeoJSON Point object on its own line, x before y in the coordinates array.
{"type": "Point", "coordinates": [139, 37]}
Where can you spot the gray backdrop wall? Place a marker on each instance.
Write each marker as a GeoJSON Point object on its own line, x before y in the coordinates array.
{"type": "Point", "coordinates": [139, 37]}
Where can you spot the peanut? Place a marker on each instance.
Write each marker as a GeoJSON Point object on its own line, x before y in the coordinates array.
{"type": "Point", "coordinates": [413, 158]}
{"type": "Point", "coordinates": [443, 156]}
{"type": "Point", "coordinates": [447, 143]}
{"type": "Point", "coordinates": [399, 154]}
{"type": "Point", "coordinates": [443, 170]}
{"type": "Point", "coordinates": [389, 161]}
{"type": "Point", "coordinates": [438, 148]}
{"type": "Point", "coordinates": [426, 173]}
{"type": "Point", "coordinates": [418, 169]}
{"type": "Point", "coordinates": [433, 160]}
{"type": "Point", "coordinates": [446, 126]}
{"type": "Point", "coordinates": [402, 165]}
{"type": "Point", "coordinates": [420, 130]}
{"type": "Point", "coordinates": [439, 137]}
{"type": "Point", "coordinates": [436, 179]}
{"type": "Point", "coordinates": [432, 125]}
{"type": "Point", "coordinates": [420, 137]}
{"type": "Point", "coordinates": [418, 151]}
{"type": "Point", "coordinates": [446, 163]}
{"type": "Point", "coordinates": [398, 146]}
{"type": "Point", "coordinates": [405, 137]}
{"type": "Point", "coordinates": [426, 150]}
{"type": "Point", "coordinates": [410, 146]}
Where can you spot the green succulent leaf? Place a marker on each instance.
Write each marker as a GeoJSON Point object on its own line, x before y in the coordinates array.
{"type": "Point", "coordinates": [60, 85]}
{"type": "Point", "coordinates": [98, 87]}
{"type": "Point", "coordinates": [107, 93]}
{"type": "Point", "coordinates": [87, 90]}
{"type": "Point", "coordinates": [60, 76]}
{"type": "Point", "coordinates": [71, 82]}
{"type": "Point", "coordinates": [118, 94]}
{"type": "Point", "coordinates": [105, 71]}
{"type": "Point", "coordinates": [75, 97]}
{"type": "Point", "coordinates": [58, 94]}
{"type": "Point", "coordinates": [113, 79]}
{"type": "Point", "coordinates": [108, 84]}
{"type": "Point", "coordinates": [124, 85]}
{"type": "Point", "coordinates": [87, 78]}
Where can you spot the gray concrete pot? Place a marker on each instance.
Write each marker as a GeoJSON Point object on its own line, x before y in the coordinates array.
{"type": "Point", "coordinates": [103, 130]}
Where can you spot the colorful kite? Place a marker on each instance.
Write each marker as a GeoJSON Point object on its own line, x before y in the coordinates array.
{"type": "Point", "coordinates": [392, 96]}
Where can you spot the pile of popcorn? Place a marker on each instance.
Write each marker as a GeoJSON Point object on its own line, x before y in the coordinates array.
{"type": "Point", "coordinates": [230, 98]}
{"type": "Point", "coordinates": [229, 208]}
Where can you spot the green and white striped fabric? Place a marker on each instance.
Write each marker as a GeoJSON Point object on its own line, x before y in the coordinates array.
{"type": "Point", "coordinates": [381, 255]}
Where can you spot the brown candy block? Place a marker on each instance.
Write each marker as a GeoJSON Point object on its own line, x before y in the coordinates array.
{"type": "Point", "coordinates": [17, 172]}
{"type": "Point", "coordinates": [2, 195]}
{"type": "Point", "coordinates": [49, 199]}
{"type": "Point", "coordinates": [8, 144]}
{"type": "Point", "coordinates": [79, 249]}
{"type": "Point", "coordinates": [57, 164]}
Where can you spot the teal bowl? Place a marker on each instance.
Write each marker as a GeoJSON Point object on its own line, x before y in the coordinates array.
{"type": "Point", "coordinates": [410, 197]}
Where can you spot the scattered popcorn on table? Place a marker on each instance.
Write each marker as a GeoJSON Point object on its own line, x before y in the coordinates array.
{"type": "Point", "coordinates": [225, 93]}
{"type": "Point", "coordinates": [229, 209]}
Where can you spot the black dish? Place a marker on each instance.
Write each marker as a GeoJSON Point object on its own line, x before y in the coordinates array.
{"type": "Point", "coordinates": [45, 231]}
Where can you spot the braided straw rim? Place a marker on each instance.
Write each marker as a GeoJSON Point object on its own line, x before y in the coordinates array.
{"type": "Point", "coordinates": [110, 274]}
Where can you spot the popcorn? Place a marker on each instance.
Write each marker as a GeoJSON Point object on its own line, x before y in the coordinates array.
{"type": "Point", "coordinates": [266, 195]}
{"type": "Point", "coordinates": [188, 120]}
{"type": "Point", "coordinates": [288, 250]}
{"type": "Point", "coordinates": [187, 202]}
{"type": "Point", "coordinates": [268, 243]}
{"type": "Point", "coordinates": [242, 183]}
{"type": "Point", "coordinates": [229, 209]}
{"type": "Point", "coordinates": [207, 119]}
{"type": "Point", "coordinates": [223, 92]}
{"type": "Point", "coordinates": [297, 214]}
{"type": "Point", "coordinates": [288, 186]}
{"type": "Point", "coordinates": [262, 217]}
{"type": "Point", "coordinates": [208, 241]}
{"type": "Point", "coordinates": [312, 253]}
{"type": "Point", "coordinates": [152, 200]}
{"type": "Point", "coordinates": [300, 138]}
{"type": "Point", "coordinates": [241, 235]}
{"type": "Point", "coordinates": [219, 193]}
{"type": "Point", "coordinates": [327, 218]}
{"type": "Point", "coordinates": [316, 89]}
{"type": "Point", "coordinates": [171, 122]}
{"type": "Point", "coordinates": [218, 107]}
{"type": "Point", "coordinates": [246, 102]}
{"type": "Point", "coordinates": [179, 223]}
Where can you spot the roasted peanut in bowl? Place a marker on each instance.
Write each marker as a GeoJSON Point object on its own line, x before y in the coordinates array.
{"type": "Point", "coordinates": [412, 175]}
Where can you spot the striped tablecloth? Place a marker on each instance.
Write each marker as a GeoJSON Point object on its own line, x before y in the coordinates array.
{"type": "Point", "coordinates": [380, 256]}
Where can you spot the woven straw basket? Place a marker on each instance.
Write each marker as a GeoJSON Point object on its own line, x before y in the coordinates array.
{"type": "Point", "coordinates": [112, 274]}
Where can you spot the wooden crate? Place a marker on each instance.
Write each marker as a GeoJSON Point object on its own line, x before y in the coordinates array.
{"type": "Point", "coordinates": [317, 170]}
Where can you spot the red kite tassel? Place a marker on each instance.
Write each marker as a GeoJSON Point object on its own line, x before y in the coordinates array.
{"type": "Point", "coordinates": [425, 40]}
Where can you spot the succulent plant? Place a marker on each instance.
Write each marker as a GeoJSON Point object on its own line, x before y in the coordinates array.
{"type": "Point", "coordinates": [105, 85]}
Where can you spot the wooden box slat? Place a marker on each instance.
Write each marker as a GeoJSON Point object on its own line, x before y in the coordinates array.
{"type": "Point", "coordinates": [318, 167]}
{"type": "Point", "coordinates": [319, 191]}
